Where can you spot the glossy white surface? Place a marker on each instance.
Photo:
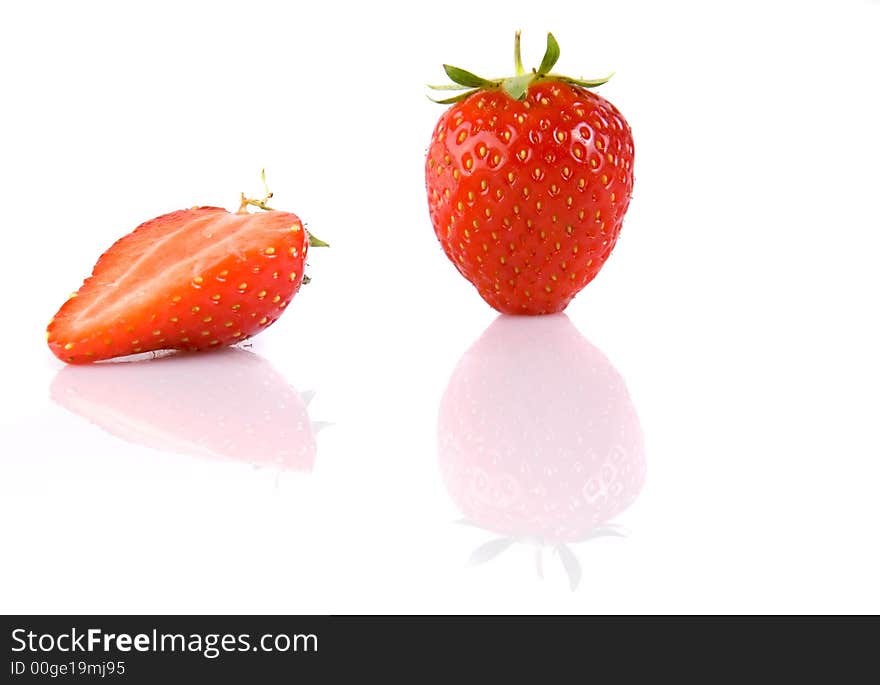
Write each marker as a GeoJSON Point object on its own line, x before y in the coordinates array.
{"type": "Point", "coordinates": [701, 434]}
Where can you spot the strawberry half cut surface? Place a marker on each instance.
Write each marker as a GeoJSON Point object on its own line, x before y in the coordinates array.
{"type": "Point", "coordinates": [194, 279]}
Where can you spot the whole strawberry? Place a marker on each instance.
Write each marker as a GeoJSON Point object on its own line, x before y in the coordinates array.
{"type": "Point", "coordinates": [528, 180]}
{"type": "Point", "coordinates": [194, 279]}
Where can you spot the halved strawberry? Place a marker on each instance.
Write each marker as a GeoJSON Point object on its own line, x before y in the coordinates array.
{"type": "Point", "coordinates": [193, 280]}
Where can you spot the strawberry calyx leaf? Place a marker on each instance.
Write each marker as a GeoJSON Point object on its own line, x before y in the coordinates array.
{"type": "Point", "coordinates": [517, 86]}
{"type": "Point", "coordinates": [585, 83]}
{"type": "Point", "coordinates": [551, 56]}
{"type": "Point", "coordinates": [465, 78]}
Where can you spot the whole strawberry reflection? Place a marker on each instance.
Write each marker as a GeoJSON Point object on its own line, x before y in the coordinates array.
{"type": "Point", "coordinates": [538, 439]}
{"type": "Point", "coordinates": [228, 404]}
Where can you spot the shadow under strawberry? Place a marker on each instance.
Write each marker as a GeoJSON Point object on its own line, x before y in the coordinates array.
{"type": "Point", "coordinates": [538, 439]}
{"type": "Point", "coordinates": [229, 404]}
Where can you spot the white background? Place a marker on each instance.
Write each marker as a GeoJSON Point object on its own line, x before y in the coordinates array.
{"type": "Point", "coordinates": [740, 306]}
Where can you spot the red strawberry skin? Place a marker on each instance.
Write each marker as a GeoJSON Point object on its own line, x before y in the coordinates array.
{"type": "Point", "coordinates": [537, 435]}
{"type": "Point", "coordinates": [527, 198]}
{"type": "Point", "coordinates": [194, 279]}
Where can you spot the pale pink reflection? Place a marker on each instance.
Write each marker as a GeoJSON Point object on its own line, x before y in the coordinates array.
{"type": "Point", "coordinates": [229, 404]}
{"type": "Point", "coordinates": [538, 439]}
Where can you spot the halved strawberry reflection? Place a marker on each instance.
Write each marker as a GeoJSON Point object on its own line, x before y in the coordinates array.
{"type": "Point", "coordinates": [230, 404]}
{"type": "Point", "coordinates": [538, 439]}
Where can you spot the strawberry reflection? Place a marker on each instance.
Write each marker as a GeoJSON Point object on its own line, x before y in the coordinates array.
{"type": "Point", "coordinates": [229, 404]}
{"type": "Point", "coordinates": [538, 440]}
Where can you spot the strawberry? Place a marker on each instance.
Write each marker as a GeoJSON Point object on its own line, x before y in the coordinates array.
{"type": "Point", "coordinates": [192, 404]}
{"type": "Point", "coordinates": [541, 448]}
{"type": "Point", "coordinates": [528, 180]}
{"type": "Point", "coordinates": [194, 279]}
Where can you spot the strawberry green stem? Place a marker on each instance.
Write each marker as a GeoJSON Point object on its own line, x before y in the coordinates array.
{"type": "Point", "coordinates": [516, 86]}
{"type": "Point", "coordinates": [517, 55]}
{"type": "Point", "coordinates": [246, 201]}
